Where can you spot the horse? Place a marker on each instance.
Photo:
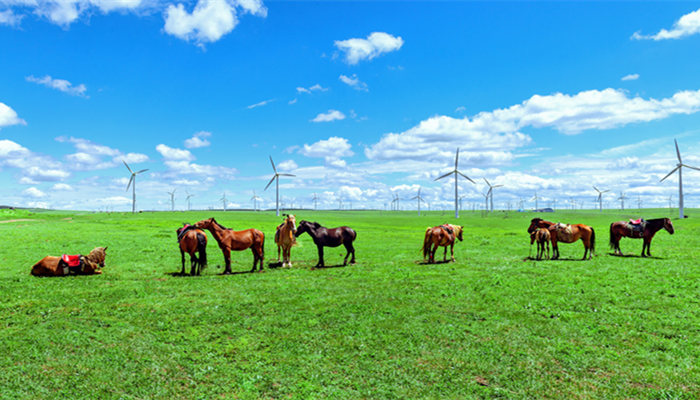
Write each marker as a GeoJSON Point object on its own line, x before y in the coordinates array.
{"type": "Point", "coordinates": [228, 240]}
{"type": "Point", "coordinates": [442, 235]}
{"type": "Point", "coordinates": [71, 265]}
{"type": "Point", "coordinates": [333, 237]}
{"type": "Point", "coordinates": [285, 239]}
{"type": "Point", "coordinates": [542, 237]}
{"type": "Point", "coordinates": [192, 240]}
{"type": "Point", "coordinates": [577, 231]}
{"type": "Point", "coordinates": [621, 229]}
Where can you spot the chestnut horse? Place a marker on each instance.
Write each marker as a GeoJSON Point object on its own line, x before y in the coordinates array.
{"type": "Point", "coordinates": [56, 266]}
{"type": "Point", "coordinates": [192, 240]}
{"type": "Point", "coordinates": [620, 229]}
{"type": "Point", "coordinates": [285, 239]}
{"type": "Point", "coordinates": [332, 237]}
{"type": "Point", "coordinates": [229, 239]}
{"type": "Point", "coordinates": [542, 237]}
{"type": "Point", "coordinates": [578, 231]}
{"type": "Point", "coordinates": [443, 235]}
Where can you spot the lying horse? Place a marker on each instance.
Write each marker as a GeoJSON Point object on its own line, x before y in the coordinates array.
{"type": "Point", "coordinates": [566, 234]}
{"type": "Point", "coordinates": [443, 235]}
{"type": "Point", "coordinates": [71, 265]}
{"type": "Point", "coordinates": [333, 237]}
{"type": "Point", "coordinates": [622, 229]}
{"type": "Point", "coordinates": [542, 237]}
{"type": "Point", "coordinates": [285, 239]}
{"type": "Point", "coordinates": [192, 240]}
{"type": "Point", "coordinates": [229, 239]}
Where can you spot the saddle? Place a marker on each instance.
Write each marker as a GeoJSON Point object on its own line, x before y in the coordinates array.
{"type": "Point", "coordinates": [71, 263]}
{"type": "Point", "coordinates": [447, 229]}
{"type": "Point", "coordinates": [637, 226]}
{"type": "Point", "coordinates": [181, 231]}
{"type": "Point", "coordinates": [564, 232]}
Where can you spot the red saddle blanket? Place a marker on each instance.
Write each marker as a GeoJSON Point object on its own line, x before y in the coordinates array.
{"type": "Point", "coordinates": [71, 260]}
{"type": "Point", "coordinates": [636, 221]}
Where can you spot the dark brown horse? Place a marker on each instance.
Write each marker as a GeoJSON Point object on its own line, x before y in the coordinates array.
{"type": "Point", "coordinates": [71, 265]}
{"type": "Point", "coordinates": [191, 241]}
{"type": "Point", "coordinates": [566, 234]}
{"type": "Point", "coordinates": [443, 235]}
{"type": "Point", "coordinates": [229, 239]}
{"type": "Point", "coordinates": [333, 237]}
{"type": "Point", "coordinates": [622, 229]}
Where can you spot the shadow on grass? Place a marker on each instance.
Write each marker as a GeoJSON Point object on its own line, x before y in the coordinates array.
{"type": "Point", "coordinates": [328, 266]}
{"type": "Point", "coordinates": [423, 262]}
{"type": "Point", "coordinates": [277, 264]}
{"type": "Point", "coordinates": [635, 256]}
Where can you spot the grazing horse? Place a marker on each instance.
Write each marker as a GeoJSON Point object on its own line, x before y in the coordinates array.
{"type": "Point", "coordinates": [560, 233]}
{"type": "Point", "coordinates": [285, 239]}
{"type": "Point", "coordinates": [443, 235]}
{"type": "Point", "coordinates": [71, 265]}
{"type": "Point", "coordinates": [229, 239]}
{"type": "Point", "coordinates": [542, 237]}
{"type": "Point", "coordinates": [191, 241]}
{"type": "Point", "coordinates": [623, 229]}
{"type": "Point", "coordinates": [333, 237]}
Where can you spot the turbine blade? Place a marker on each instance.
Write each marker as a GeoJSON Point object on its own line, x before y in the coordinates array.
{"type": "Point", "coordinates": [688, 166]}
{"type": "Point", "coordinates": [286, 175]}
{"type": "Point", "coordinates": [127, 166]}
{"type": "Point", "coordinates": [489, 192]}
{"type": "Point", "coordinates": [669, 174]}
{"type": "Point", "coordinates": [596, 189]}
{"type": "Point", "coordinates": [270, 183]}
{"type": "Point", "coordinates": [143, 170]}
{"type": "Point", "coordinates": [487, 182]}
{"type": "Point", "coordinates": [457, 158]}
{"type": "Point", "coordinates": [130, 180]}
{"type": "Point", "coordinates": [468, 178]}
{"type": "Point", "coordinates": [498, 186]}
{"type": "Point", "coordinates": [678, 152]}
{"type": "Point", "coordinates": [414, 197]}
{"type": "Point", "coordinates": [447, 174]}
{"type": "Point", "coordinates": [273, 165]}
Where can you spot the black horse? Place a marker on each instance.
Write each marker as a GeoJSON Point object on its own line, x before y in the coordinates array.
{"type": "Point", "coordinates": [329, 237]}
{"type": "Point", "coordinates": [621, 229]}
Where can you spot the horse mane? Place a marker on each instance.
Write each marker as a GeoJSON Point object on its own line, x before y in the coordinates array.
{"type": "Point", "coordinates": [97, 254]}
{"type": "Point", "coordinates": [219, 225]}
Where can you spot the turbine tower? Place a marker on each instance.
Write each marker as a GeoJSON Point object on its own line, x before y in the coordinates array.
{"type": "Point", "coordinates": [419, 199]}
{"type": "Point", "coordinates": [537, 207]}
{"type": "Point", "coordinates": [456, 174]}
{"type": "Point", "coordinates": [276, 178]}
{"type": "Point", "coordinates": [172, 200]}
{"type": "Point", "coordinates": [622, 200]}
{"type": "Point", "coordinates": [600, 197]}
{"type": "Point", "coordinates": [315, 200]}
{"type": "Point", "coordinates": [189, 196]}
{"type": "Point", "coordinates": [223, 199]}
{"type": "Point", "coordinates": [255, 199]}
{"type": "Point", "coordinates": [133, 187]}
{"type": "Point", "coordinates": [679, 168]}
{"type": "Point", "coordinates": [490, 192]}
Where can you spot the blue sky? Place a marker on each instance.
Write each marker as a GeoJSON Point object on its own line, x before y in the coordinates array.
{"type": "Point", "coordinates": [361, 100]}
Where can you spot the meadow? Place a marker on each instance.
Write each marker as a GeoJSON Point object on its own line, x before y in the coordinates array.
{"type": "Point", "coordinates": [493, 324]}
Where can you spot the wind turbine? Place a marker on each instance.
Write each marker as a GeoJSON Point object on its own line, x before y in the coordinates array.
{"type": "Point", "coordinates": [419, 199]}
{"type": "Point", "coordinates": [133, 187]}
{"type": "Point", "coordinates": [490, 192]}
{"type": "Point", "coordinates": [255, 199]}
{"type": "Point", "coordinates": [639, 201]}
{"type": "Point", "coordinates": [223, 199]}
{"type": "Point", "coordinates": [398, 203]}
{"type": "Point", "coordinates": [189, 196]}
{"type": "Point", "coordinates": [537, 207]}
{"type": "Point", "coordinates": [172, 200]}
{"type": "Point", "coordinates": [276, 178]}
{"type": "Point", "coordinates": [456, 173]}
{"type": "Point", "coordinates": [486, 195]}
{"type": "Point", "coordinates": [600, 197]}
{"type": "Point", "coordinates": [315, 200]}
{"type": "Point", "coordinates": [679, 168]}
{"type": "Point", "coordinates": [622, 200]}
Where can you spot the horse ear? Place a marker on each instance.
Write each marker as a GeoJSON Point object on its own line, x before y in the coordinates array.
{"type": "Point", "coordinates": [105, 248]}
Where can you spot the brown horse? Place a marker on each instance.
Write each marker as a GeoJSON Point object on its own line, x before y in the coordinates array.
{"type": "Point", "coordinates": [285, 239]}
{"type": "Point", "coordinates": [333, 237]}
{"type": "Point", "coordinates": [71, 265]}
{"type": "Point", "coordinates": [566, 234]}
{"type": "Point", "coordinates": [542, 237]}
{"type": "Point", "coordinates": [191, 241]}
{"type": "Point", "coordinates": [229, 239]}
{"type": "Point", "coordinates": [622, 229]}
{"type": "Point", "coordinates": [443, 235]}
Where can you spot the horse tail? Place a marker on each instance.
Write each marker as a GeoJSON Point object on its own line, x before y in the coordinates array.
{"type": "Point", "coordinates": [262, 248]}
{"type": "Point", "coordinates": [592, 240]}
{"type": "Point", "coordinates": [426, 242]}
{"type": "Point", "coordinates": [612, 237]}
{"type": "Point", "coordinates": [202, 249]}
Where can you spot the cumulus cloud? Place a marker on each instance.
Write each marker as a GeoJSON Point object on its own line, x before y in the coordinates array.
{"type": "Point", "coordinates": [91, 156]}
{"type": "Point", "coordinates": [209, 20]}
{"type": "Point", "coordinates": [331, 115]}
{"type": "Point", "coordinates": [61, 186]}
{"type": "Point", "coordinates": [8, 17]}
{"type": "Point", "coordinates": [34, 192]}
{"type": "Point", "coordinates": [630, 77]}
{"type": "Point", "coordinates": [288, 165]}
{"type": "Point", "coordinates": [687, 25]}
{"type": "Point", "coordinates": [311, 89]}
{"type": "Point", "coordinates": [353, 82]}
{"type": "Point", "coordinates": [198, 140]}
{"type": "Point", "coordinates": [331, 149]}
{"type": "Point", "coordinates": [9, 117]}
{"type": "Point", "coordinates": [34, 167]}
{"type": "Point", "coordinates": [171, 153]}
{"type": "Point", "coordinates": [376, 44]}
{"type": "Point", "coordinates": [65, 12]}
{"type": "Point", "coordinates": [60, 85]}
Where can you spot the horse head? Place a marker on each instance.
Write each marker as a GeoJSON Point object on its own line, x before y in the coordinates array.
{"type": "Point", "coordinates": [98, 255]}
{"type": "Point", "coordinates": [291, 222]}
{"type": "Point", "coordinates": [459, 229]}
{"type": "Point", "coordinates": [668, 225]}
{"type": "Point", "coordinates": [534, 224]}
{"type": "Point", "coordinates": [303, 227]}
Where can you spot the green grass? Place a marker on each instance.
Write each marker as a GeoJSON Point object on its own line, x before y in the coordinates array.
{"type": "Point", "coordinates": [491, 325]}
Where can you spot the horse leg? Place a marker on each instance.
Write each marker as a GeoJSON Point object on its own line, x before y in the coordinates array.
{"type": "Point", "coordinates": [539, 249]}
{"type": "Point", "coordinates": [278, 255]}
{"type": "Point", "coordinates": [182, 254]}
{"type": "Point", "coordinates": [547, 244]}
{"type": "Point", "coordinates": [452, 251]}
{"type": "Point", "coordinates": [444, 255]}
{"type": "Point", "coordinates": [193, 264]}
{"type": "Point", "coordinates": [320, 256]}
{"type": "Point", "coordinates": [227, 260]}
{"type": "Point", "coordinates": [432, 252]}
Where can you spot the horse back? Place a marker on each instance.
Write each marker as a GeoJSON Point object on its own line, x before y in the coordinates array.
{"type": "Point", "coordinates": [47, 266]}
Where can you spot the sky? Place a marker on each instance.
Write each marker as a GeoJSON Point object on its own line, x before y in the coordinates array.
{"type": "Point", "coordinates": [361, 101]}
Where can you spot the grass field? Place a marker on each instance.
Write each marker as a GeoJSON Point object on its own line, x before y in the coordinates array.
{"type": "Point", "coordinates": [491, 325]}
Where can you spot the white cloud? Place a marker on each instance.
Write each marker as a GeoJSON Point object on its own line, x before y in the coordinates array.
{"type": "Point", "coordinates": [209, 20]}
{"type": "Point", "coordinates": [9, 117]}
{"type": "Point", "coordinates": [62, 186]}
{"type": "Point", "coordinates": [170, 153]}
{"type": "Point", "coordinates": [9, 148]}
{"type": "Point", "coordinates": [92, 156]}
{"type": "Point", "coordinates": [288, 165]}
{"type": "Point", "coordinates": [8, 17]}
{"type": "Point", "coordinates": [335, 147]}
{"type": "Point", "coordinates": [132, 158]}
{"type": "Point", "coordinates": [311, 89]}
{"type": "Point", "coordinates": [687, 25]}
{"type": "Point", "coordinates": [46, 174]}
{"type": "Point", "coordinates": [60, 85]}
{"type": "Point", "coordinates": [34, 192]}
{"type": "Point", "coordinates": [198, 140]}
{"type": "Point", "coordinates": [179, 168]}
{"type": "Point", "coordinates": [331, 115]}
{"type": "Point", "coordinates": [262, 103]}
{"type": "Point", "coordinates": [377, 43]}
{"type": "Point", "coordinates": [630, 77]}
{"type": "Point", "coordinates": [65, 12]}
{"type": "Point", "coordinates": [293, 101]}
{"type": "Point", "coordinates": [354, 82]}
